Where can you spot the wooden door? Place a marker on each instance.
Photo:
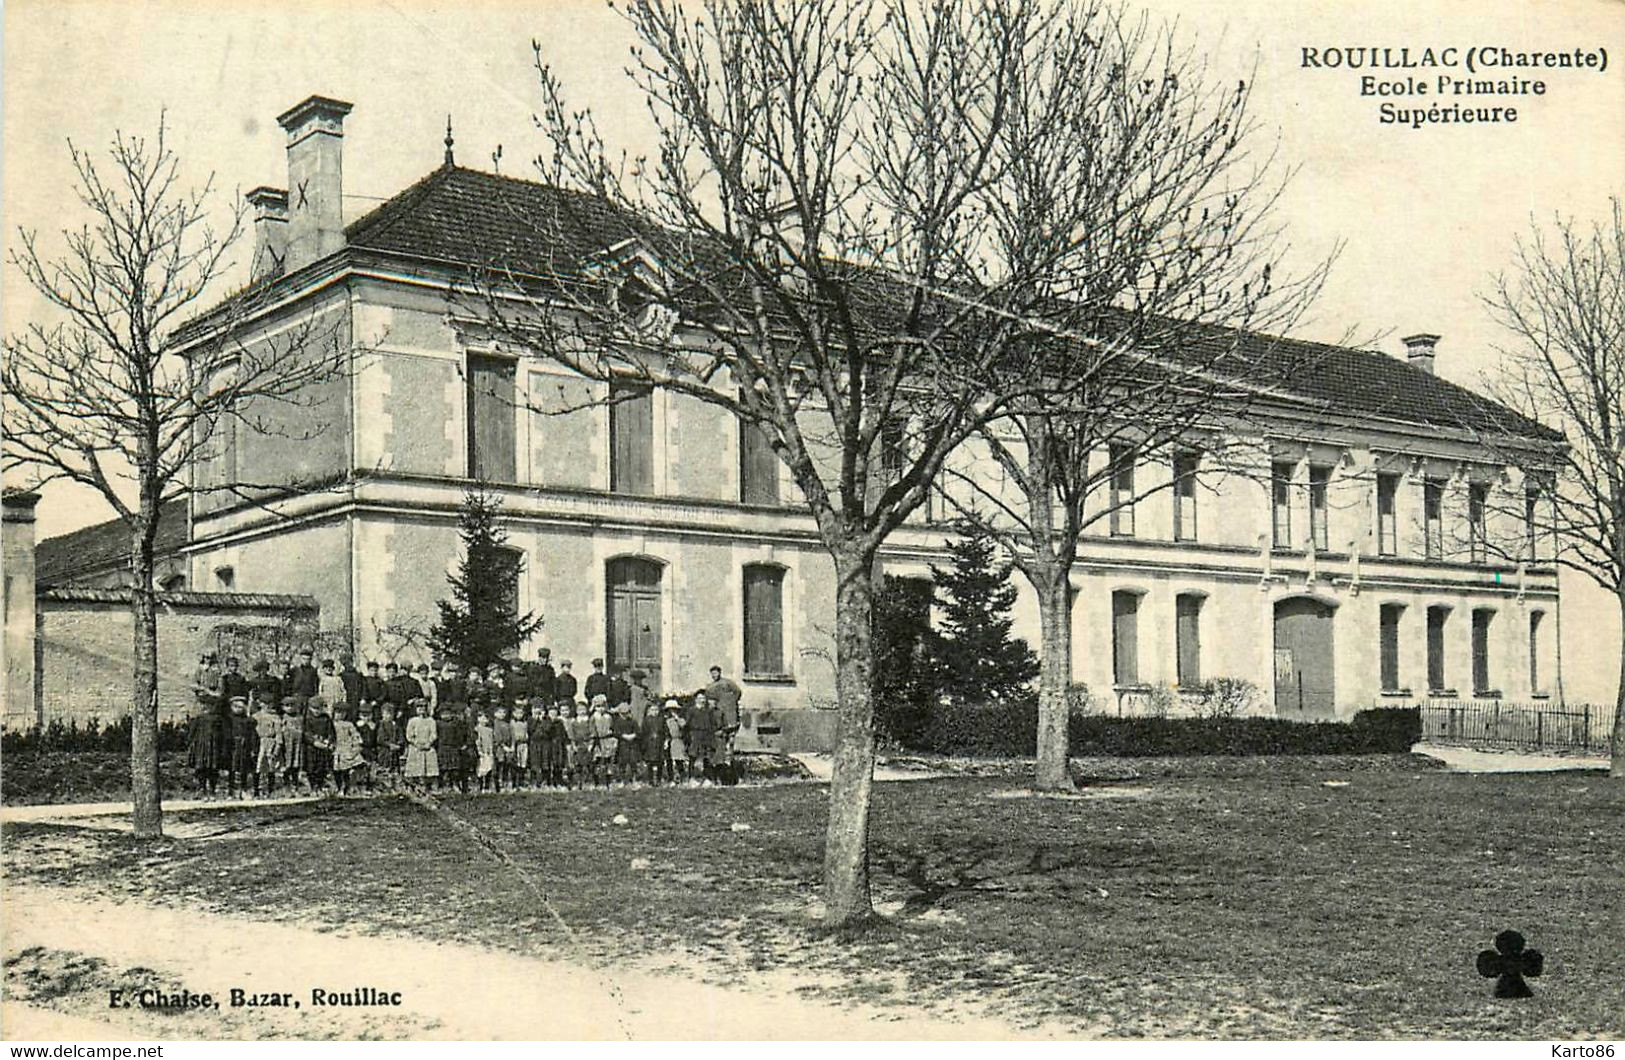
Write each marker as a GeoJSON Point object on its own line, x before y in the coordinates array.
{"type": "Point", "coordinates": [634, 617]}
{"type": "Point", "coordinates": [1304, 685]}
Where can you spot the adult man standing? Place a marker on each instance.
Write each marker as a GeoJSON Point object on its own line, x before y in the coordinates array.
{"type": "Point", "coordinates": [400, 688]}
{"type": "Point", "coordinates": [374, 692]}
{"type": "Point", "coordinates": [597, 682]}
{"type": "Point", "coordinates": [303, 680]}
{"type": "Point", "coordinates": [639, 697]}
{"type": "Point", "coordinates": [564, 685]}
{"type": "Point", "coordinates": [726, 695]}
{"type": "Point", "coordinates": [542, 678]}
{"type": "Point", "coordinates": [351, 677]}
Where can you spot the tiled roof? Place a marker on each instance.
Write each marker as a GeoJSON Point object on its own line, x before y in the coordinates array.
{"type": "Point", "coordinates": [258, 601]}
{"type": "Point", "coordinates": [472, 218]}
{"type": "Point", "coordinates": [461, 217]}
{"type": "Point", "coordinates": [104, 546]}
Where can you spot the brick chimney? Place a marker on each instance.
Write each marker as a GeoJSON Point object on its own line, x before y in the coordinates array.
{"type": "Point", "coordinates": [270, 206]}
{"type": "Point", "coordinates": [1421, 350]}
{"type": "Point", "coordinates": [315, 179]}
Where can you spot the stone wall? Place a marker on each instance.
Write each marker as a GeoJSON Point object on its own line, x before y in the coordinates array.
{"type": "Point", "coordinates": [86, 640]}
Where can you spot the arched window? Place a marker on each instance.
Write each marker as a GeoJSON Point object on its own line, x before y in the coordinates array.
{"type": "Point", "coordinates": [173, 583]}
{"type": "Point", "coordinates": [764, 620]}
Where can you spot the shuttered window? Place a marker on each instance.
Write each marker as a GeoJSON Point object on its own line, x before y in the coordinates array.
{"type": "Point", "coordinates": [1389, 645]}
{"type": "Point", "coordinates": [490, 419]}
{"type": "Point", "coordinates": [764, 620]}
{"type": "Point", "coordinates": [631, 429]}
{"type": "Point", "coordinates": [758, 466]}
{"type": "Point", "coordinates": [1387, 515]}
{"type": "Point", "coordinates": [1536, 649]}
{"type": "Point", "coordinates": [1188, 639]}
{"type": "Point", "coordinates": [1482, 617]}
{"type": "Point", "coordinates": [1125, 638]}
{"type": "Point", "coordinates": [1436, 628]}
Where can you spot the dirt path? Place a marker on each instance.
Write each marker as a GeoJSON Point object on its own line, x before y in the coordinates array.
{"type": "Point", "coordinates": [449, 991]}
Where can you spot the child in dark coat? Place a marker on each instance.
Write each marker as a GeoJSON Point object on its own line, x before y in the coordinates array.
{"type": "Point", "coordinates": [627, 753]}
{"type": "Point", "coordinates": [389, 745]}
{"type": "Point", "coordinates": [320, 739]}
{"type": "Point", "coordinates": [652, 739]}
{"type": "Point", "coordinates": [240, 773]}
{"type": "Point", "coordinates": [450, 738]}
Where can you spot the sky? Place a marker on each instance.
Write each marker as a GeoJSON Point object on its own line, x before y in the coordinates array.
{"type": "Point", "coordinates": [1424, 217]}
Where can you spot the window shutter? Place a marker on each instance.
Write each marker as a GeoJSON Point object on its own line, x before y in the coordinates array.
{"type": "Point", "coordinates": [758, 466]}
{"type": "Point", "coordinates": [1187, 634]}
{"type": "Point", "coordinates": [1390, 647]}
{"type": "Point", "coordinates": [491, 419]}
{"type": "Point", "coordinates": [631, 424]}
{"type": "Point", "coordinates": [1125, 638]}
{"type": "Point", "coordinates": [764, 620]}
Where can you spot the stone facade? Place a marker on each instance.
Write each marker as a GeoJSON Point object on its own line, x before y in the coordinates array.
{"type": "Point", "coordinates": [1285, 584]}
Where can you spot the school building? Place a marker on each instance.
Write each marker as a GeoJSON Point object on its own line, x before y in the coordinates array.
{"type": "Point", "coordinates": [1355, 567]}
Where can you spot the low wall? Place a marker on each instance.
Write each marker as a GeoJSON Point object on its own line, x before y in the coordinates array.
{"type": "Point", "coordinates": [84, 647]}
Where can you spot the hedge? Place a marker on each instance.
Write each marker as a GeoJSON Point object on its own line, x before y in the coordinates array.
{"type": "Point", "coordinates": [172, 736]}
{"type": "Point", "coordinates": [1012, 732]}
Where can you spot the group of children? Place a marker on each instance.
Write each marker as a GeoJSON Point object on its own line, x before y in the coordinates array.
{"type": "Point", "coordinates": [507, 728]}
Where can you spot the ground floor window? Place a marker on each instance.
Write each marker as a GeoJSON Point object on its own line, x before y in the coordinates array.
{"type": "Point", "coordinates": [1437, 617]}
{"type": "Point", "coordinates": [1125, 637]}
{"type": "Point", "coordinates": [764, 620]}
{"type": "Point", "coordinates": [1390, 646]}
{"type": "Point", "coordinates": [1537, 620]}
{"type": "Point", "coordinates": [1482, 619]}
{"type": "Point", "coordinates": [1188, 638]}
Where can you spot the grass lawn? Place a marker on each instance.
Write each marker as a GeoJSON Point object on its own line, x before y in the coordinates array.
{"type": "Point", "coordinates": [1207, 898]}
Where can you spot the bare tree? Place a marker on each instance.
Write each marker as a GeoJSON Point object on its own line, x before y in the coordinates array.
{"type": "Point", "coordinates": [863, 236]}
{"type": "Point", "coordinates": [1135, 191]}
{"type": "Point", "coordinates": [103, 397]}
{"type": "Point", "coordinates": [1564, 302]}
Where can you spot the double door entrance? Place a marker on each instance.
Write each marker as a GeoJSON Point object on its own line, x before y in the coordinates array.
{"type": "Point", "coordinates": [633, 617]}
{"type": "Point", "coordinates": [1304, 685]}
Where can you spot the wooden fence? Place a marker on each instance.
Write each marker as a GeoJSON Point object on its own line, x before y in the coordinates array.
{"type": "Point", "coordinates": [1573, 727]}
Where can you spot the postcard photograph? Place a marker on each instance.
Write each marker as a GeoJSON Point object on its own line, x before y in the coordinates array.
{"type": "Point", "coordinates": [806, 520]}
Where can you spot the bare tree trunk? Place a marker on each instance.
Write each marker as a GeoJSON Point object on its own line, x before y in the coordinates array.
{"type": "Point", "coordinates": [846, 849]}
{"type": "Point", "coordinates": [147, 816]}
{"type": "Point", "coordinates": [1054, 680]}
{"type": "Point", "coordinates": [1617, 762]}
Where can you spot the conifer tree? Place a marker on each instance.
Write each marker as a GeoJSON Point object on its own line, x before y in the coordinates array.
{"type": "Point", "coordinates": [977, 660]}
{"type": "Point", "coordinates": [906, 682]}
{"type": "Point", "coordinates": [481, 623]}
